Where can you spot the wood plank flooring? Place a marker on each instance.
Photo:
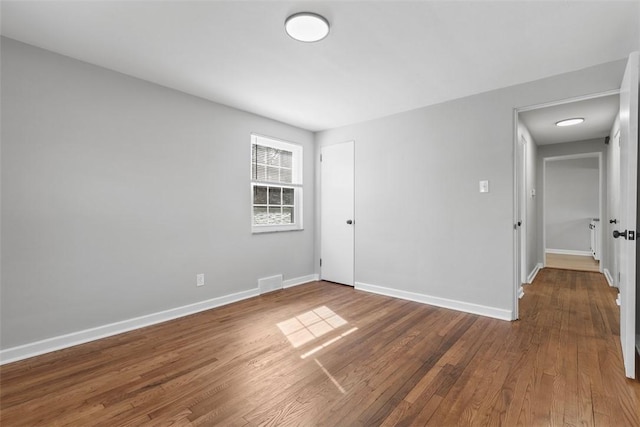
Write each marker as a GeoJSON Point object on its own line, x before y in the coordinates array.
{"type": "Point", "coordinates": [325, 354]}
{"type": "Point", "coordinates": [572, 262]}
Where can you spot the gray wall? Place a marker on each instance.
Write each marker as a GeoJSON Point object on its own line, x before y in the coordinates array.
{"type": "Point", "coordinates": [422, 225]}
{"type": "Point", "coordinates": [572, 201]}
{"type": "Point", "coordinates": [117, 192]}
{"type": "Point", "coordinates": [567, 149]}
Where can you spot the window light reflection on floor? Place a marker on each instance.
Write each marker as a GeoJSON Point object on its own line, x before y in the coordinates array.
{"type": "Point", "coordinates": [328, 343]}
{"type": "Point", "coordinates": [308, 326]}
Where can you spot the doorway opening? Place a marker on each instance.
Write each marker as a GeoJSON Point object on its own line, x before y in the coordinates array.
{"type": "Point", "coordinates": [572, 208]}
{"type": "Point", "coordinates": [575, 148]}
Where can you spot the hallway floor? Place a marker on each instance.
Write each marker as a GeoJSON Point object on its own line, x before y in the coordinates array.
{"type": "Point", "coordinates": [572, 262]}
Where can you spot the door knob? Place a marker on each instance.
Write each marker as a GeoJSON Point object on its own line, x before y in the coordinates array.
{"type": "Point", "coordinates": [617, 234]}
{"type": "Point", "coordinates": [349, 221]}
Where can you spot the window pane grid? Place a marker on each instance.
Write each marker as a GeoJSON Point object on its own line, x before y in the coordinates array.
{"type": "Point", "coordinates": [273, 205]}
{"type": "Point", "coordinates": [271, 164]}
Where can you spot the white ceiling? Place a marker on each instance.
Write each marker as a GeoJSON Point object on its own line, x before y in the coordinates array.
{"type": "Point", "coordinates": [381, 57]}
{"type": "Point", "coordinates": [599, 114]}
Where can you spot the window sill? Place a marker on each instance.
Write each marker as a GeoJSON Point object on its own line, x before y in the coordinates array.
{"type": "Point", "coordinates": [274, 229]}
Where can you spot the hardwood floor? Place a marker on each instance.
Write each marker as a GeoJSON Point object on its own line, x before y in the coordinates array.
{"type": "Point", "coordinates": [375, 361]}
{"type": "Point", "coordinates": [572, 262]}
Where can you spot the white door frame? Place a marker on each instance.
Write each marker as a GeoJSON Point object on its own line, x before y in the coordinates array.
{"type": "Point", "coordinates": [516, 140]}
{"type": "Point", "coordinates": [520, 222]}
{"type": "Point", "coordinates": [613, 273]}
{"type": "Point", "coordinates": [523, 213]}
{"type": "Point", "coordinates": [545, 160]}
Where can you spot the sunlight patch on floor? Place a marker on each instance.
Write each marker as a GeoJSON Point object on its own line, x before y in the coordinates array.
{"type": "Point", "coordinates": [333, 380]}
{"type": "Point", "coordinates": [308, 326]}
{"type": "Point", "coordinates": [328, 343]}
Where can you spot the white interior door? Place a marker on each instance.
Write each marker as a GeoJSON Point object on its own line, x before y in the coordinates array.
{"type": "Point", "coordinates": [628, 198]}
{"type": "Point", "coordinates": [337, 220]}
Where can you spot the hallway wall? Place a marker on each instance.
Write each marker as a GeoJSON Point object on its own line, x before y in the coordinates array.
{"type": "Point", "coordinates": [572, 201]}
{"type": "Point", "coordinates": [566, 149]}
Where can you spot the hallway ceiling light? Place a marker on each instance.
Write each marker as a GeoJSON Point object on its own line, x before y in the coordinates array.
{"type": "Point", "coordinates": [570, 122]}
{"type": "Point", "coordinates": [307, 27]}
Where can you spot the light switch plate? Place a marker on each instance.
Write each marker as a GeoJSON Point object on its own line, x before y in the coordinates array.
{"type": "Point", "coordinates": [484, 186]}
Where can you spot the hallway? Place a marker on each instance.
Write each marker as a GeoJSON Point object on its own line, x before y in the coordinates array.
{"type": "Point", "coordinates": [575, 365]}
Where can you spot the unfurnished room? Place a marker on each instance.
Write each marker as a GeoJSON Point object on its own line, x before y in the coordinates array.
{"type": "Point", "coordinates": [336, 213]}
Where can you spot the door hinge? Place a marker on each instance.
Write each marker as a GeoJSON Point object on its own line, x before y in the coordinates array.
{"type": "Point", "coordinates": [320, 262]}
{"type": "Point", "coordinates": [320, 157]}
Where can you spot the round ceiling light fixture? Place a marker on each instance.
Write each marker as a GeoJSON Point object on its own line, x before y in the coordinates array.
{"type": "Point", "coordinates": [570, 122]}
{"type": "Point", "coordinates": [306, 27]}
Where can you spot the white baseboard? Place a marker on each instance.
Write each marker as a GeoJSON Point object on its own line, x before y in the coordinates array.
{"type": "Point", "coordinates": [289, 283]}
{"type": "Point", "coordinates": [531, 277]}
{"type": "Point", "coordinates": [607, 275]}
{"type": "Point", "coordinates": [520, 292]}
{"type": "Point", "coordinates": [48, 345]}
{"type": "Point", "coordinates": [466, 307]}
{"type": "Point", "coordinates": [568, 252]}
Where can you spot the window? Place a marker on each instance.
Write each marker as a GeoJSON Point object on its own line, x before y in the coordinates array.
{"type": "Point", "coordinates": [276, 185]}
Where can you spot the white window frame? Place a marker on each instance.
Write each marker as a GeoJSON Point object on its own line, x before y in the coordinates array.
{"type": "Point", "coordinates": [296, 183]}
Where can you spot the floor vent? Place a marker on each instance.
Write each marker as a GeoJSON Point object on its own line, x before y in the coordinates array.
{"type": "Point", "coordinates": [268, 284]}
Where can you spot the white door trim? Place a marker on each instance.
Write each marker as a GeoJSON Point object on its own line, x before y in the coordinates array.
{"type": "Point", "coordinates": [523, 213]}
{"type": "Point", "coordinates": [516, 112]}
{"type": "Point", "coordinates": [614, 256]}
{"type": "Point", "coordinates": [568, 100]}
{"type": "Point", "coordinates": [517, 284]}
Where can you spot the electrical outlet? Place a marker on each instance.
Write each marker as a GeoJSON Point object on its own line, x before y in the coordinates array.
{"type": "Point", "coordinates": [200, 279]}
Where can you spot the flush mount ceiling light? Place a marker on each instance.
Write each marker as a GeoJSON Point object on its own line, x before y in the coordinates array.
{"type": "Point", "coordinates": [570, 122]}
{"type": "Point", "coordinates": [306, 27]}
